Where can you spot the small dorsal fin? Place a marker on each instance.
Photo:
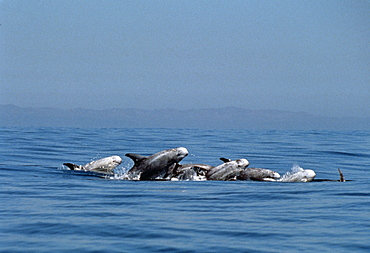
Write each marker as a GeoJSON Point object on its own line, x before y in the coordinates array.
{"type": "Point", "coordinates": [225, 160]}
{"type": "Point", "coordinates": [341, 176]}
{"type": "Point", "coordinates": [135, 157]}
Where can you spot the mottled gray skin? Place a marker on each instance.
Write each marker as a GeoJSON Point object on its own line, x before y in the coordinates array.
{"type": "Point", "coordinates": [258, 174]}
{"type": "Point", "coordinates": [181, 171]}
{"type": "Point", "coordinates": [105, 165]}
{"type": "Point", "coordinates": [187, 175]}
{"type": "Point", "coordinates": [228, 170]}
{"type": "Point", "coordinates": [155, 166]}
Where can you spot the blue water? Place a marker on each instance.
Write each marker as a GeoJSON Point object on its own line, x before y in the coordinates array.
{"type": "Point", "coordinates": [46, 208]}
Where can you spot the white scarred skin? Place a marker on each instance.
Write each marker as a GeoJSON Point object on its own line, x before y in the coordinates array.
{"type": "Point", "coordinates": [104, 165]}
{"type": "Point", "coordinates": [108, 163]}
{"type": "Point", "coordinates": [298, 174]}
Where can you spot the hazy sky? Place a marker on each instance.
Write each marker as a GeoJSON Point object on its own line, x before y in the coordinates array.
{"type": "Point", "coordinates": [311, 56]}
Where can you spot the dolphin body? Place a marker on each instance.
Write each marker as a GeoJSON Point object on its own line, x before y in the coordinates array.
{"type": "Point", "coordinates": [227, 171]}
{"type": "Point", "coordinates": [301, 176]}
{"type": "Point", "coordinates": [105, 165]}
{"type": "Point", "coordinates": [298, 174]}
{"type": "Point", "coordinates": [199, 172]}
{"type": "Point", "coordinates": [258, 174]}
{"type": "Point", "coordinates": [255, 174]}
{"type": "Point", "coordinates": [155, 166]}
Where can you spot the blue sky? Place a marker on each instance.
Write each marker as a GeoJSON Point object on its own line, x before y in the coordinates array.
{"type": "Point", "coordinates": [310, 56]}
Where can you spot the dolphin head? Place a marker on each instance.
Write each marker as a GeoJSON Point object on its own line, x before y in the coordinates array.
{"type": "Point", "coordinates": [275, 175]}
{"type": "Point", "coordinates": [117, 160]}
{"type": "Point", "coordinates": [243, 163]}
{"type": "Point", "coordinates": [308, 175]}
{"type": "Point", "coordinates": [181, 152]}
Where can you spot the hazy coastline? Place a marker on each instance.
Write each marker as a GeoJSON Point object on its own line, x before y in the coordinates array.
{"type": "Point", "coordinates": [208, 118]}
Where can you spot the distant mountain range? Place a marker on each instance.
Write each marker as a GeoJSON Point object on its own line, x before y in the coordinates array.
{"type": "Point", "coordinates": [229, 117]}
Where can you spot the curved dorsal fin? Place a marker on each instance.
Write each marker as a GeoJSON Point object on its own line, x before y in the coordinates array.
{"type": "Point", "coordinates": [225, 160]}
{"type": "Point", "coordinates": [135, 157]}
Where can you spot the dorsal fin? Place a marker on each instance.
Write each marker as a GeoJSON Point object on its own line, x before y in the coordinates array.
{"type": "Point", "coordinates": [135, 157]}
{"type": "Point", "coordinates": [225, 160]}
{"type": "Point", "coordinates": [341, 176]}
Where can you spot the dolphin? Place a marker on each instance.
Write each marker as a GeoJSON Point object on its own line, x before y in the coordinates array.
{"type": "Point", "coordinates": [298, 174]}
{"type": "Point", "coordinates": [191, 171]}
{"type": "Point", "coordinates": [155, 166]}
{"type": "Point", "coordinates": [258, 174]}
{"type": "Point", "coordinates": [255, 174]}
{"type": "Point", "coordinates": [227, 171]}
{"type": "Point", "coordinates": [104, 165]}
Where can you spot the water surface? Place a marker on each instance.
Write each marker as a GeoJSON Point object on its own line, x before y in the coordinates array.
{"type": "Point", "coordinates": [47, 208]}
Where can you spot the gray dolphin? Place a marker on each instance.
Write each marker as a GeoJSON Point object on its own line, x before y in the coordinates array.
{"type": "Point", "coordinates": [155, 166]}
{"type": "Point", "coordinates": [255, 174]}
{"type": "Point", "coordinates": [104, 165]}
{"type": "Point", "coordinates": [258, 174]}
{"type": "Point", "coordinates": [227, 171]}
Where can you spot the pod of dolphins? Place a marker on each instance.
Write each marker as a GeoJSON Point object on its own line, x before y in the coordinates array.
{"type": "Point", "coordinates": [165, 165]}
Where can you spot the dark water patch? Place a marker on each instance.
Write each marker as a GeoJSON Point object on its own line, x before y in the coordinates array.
{"type": "Point", "coordinates": [353, 194]}
{"type": "Point", "coordinates": [342, 153]}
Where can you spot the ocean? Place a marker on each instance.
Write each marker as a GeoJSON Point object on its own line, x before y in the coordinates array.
{"type": "Point", "coordinates": [47, 208]}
